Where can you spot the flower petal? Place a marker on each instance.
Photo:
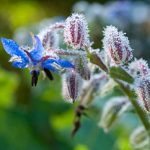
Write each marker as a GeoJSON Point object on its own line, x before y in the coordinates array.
{"type": "Point", "coordinates": [37, 52]}
{"type": "Point", "coordinates": [19, 64]}
{"type": "Point", "coordinates": [64, 63]}
{"type": "Point", "coordinates": [12, 48]}
{"type": "Point", "coordinates": [47, 64]}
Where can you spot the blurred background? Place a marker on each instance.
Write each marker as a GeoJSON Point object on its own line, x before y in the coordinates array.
{"type": "Point", "coordinates": [38, 118]}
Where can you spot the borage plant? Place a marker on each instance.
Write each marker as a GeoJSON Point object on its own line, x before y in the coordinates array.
{"type": "Point", "coordinates": [86, 71]}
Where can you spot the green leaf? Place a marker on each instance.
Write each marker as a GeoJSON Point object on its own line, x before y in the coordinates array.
{"type": "Point", "coordinates": [121, 74]}
{"type": "Point", "coordinates": [95, 59]}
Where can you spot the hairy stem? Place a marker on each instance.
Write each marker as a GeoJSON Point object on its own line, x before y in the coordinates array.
{"type": "Point", "coordinates": [70, 52]}
{"type": "Point", "coordinates": [56, 26]}
{"type": "Point", "coordinates": [140, 112]}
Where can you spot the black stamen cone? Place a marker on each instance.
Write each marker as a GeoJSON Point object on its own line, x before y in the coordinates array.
{"type": "Point", "coordinates": [48, 74]}
{"type": "Point", "coordinates": [34, 78]}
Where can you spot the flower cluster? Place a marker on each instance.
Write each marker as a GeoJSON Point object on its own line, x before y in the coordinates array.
{"type": "Point", "coordinates": [86, 72]}
{"type": "Point", "coordinates": [122, 14]}
{"type": "Point", "coordinates": [47, 56]}
{"type": "Point", "coordinates": [34, 58]}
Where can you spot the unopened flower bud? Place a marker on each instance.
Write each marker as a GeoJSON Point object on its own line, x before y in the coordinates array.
{"type": "Point", "coordinates": [139, 68]}
{"type": "Point", "coordinates": [116, 44]}
{"type": "Point", "coordinates": [76, 31]}
{"type": "Point", "coordinates": [143, 92]}
{"type": "Point", "coordinates": [139, 138]}
{"type": "Point", "coordinates": [112, 111]}
{"type": "Point", "coordinates": [49, 39]}
{"type": "Point", "coordinates": [71, 85]}
{"type": "Point", "coordinates": [81, 66]}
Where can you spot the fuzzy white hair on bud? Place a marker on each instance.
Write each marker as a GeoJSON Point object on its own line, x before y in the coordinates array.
{"type": "Point", "coordinates": [49, 39]}
{"type": "Point", "coordinates": [142, 87]}
{"type": "Point", "coordinates": [76, 31]}
{"type": "Point", "coordinates": [116, 45]}
{"type": "Point", "coordinates": [81, 66]}
{"type": "Point", "coordinates": [71, 85]}
{"type": "Point", "coordinates": [138, 68]}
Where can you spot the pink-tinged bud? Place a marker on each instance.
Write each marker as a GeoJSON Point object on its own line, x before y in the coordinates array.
{"type": "Point", "coordinates": [139, 68]}
{"type": "Point", "coordinates": [81, 66]}
{"type": "Point", "coordinates": [143, 92]}
{"type": "Point", "coordinates": [116, 44]}
{"type": "Point", "coordinates": [76, 31]}
{"type": "Point", "coordinates": [71, 85]}
{"type": "Point", "coordinates": [49, 39]}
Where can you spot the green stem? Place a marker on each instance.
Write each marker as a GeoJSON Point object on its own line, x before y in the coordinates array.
{"type": "Point", "coordinates": [141, 113]}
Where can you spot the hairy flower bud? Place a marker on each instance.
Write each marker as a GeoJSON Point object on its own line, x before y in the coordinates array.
{"type": "Point", "coordinates": [76, 31]}
{"type": "Point", "coordinates": [116, 44]}
{"type": "Point", "coordinates": [139, 68]}
{"type": "Point", "coordinates": [71, 85]}
{"type": "Point", "coordinates": [112, 111]}
{"type": "Point", "coordinates": [81, 66]}
{"type": "Point", "coordinates": [143, 92]}
{"type": "Point", "coordinates": [139, 138]}
{"type": "Point", "coordinates": [49, 39]}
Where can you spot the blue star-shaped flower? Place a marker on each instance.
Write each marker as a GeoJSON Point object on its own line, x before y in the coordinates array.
{"type": "Point", "coordinates": [34, 59]}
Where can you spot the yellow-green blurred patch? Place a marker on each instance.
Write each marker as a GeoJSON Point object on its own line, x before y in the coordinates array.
{"type": "Point", "coordinates": [123, 143]}
{"type": "Point", "coordinates": [23, 13]}
{"type": "Point", "coordinates": [62, 121]}
{"type": "Point", "coordinates": [8, 85]}
{"type": "Point", "coordinates": [81, 147]}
